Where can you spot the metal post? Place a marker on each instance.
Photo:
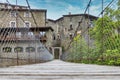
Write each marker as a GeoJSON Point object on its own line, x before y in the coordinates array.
{"type": "Point", "coordinates": [102, 46]}
{"type": "Point", "coordinates": [17, 30]}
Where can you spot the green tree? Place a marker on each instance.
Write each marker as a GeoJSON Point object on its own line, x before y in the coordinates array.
{"type": "Point", "coordinates": [104, 33]}
{"type": "Point", "coordinates": [106, 36]}
{"type": "Point", "coordinates": [78, 50]}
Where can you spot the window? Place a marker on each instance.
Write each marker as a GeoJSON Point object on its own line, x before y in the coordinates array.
{"type": "Point", "coordinates": [65, 29]}
{"type": "Point", "coordinates": [7, 49]}
{"type": "Point", "coordinates": [30, 49]}
{"type": "Point", "coordinates": [27, 24]}
{"type": "Point", "coordinates": [12, 24]}
{"type": "Point", "coordinates": [18, 49]}
{"type": "Point", "coordinates": [27, 14]}
{"type": "Point", "coordinates": [18, 34]}
{"type": "Point", "coordinates": [43, 33]}
{"type": "Point", "coordinates": [71, 28]}
{"type": "Point", "coordinates": [13, 14]}
{"type": "Point", "coordinates": [30, 33]}
{"type": "Point", "coordinates": [40, 49]}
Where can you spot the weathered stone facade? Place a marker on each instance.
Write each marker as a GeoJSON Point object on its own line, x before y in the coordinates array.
{"type": "Point", "coordinates": [30, 50]}
{"type": "Point", "coordinates": [12, 16]}
{"type": "Point", "coordinates": [26, 29]}
{"type": "Point", "coordinates": [39, 15]}
{"type": "Point", "coordinates": [65, 27]}
{"type": "Point", "coordinates": [18, 29]}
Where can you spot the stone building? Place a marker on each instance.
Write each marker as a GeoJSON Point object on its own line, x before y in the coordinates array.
{"type": "Point", "coordinates": [24, 32]}
{"type": "Point", "coordinates": [65, 27]}
{"type": "Point", "coordinates": [12, 16]}
{"type": "Point", "coordinates": [11, 6]}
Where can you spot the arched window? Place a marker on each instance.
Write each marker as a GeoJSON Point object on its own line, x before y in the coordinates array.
{"type": "Point", "coordinates": [27, 24]}
{"type": "Point", "coordinates": [7, 49]}
{"type": "Point", "coordinates": [41, 48]}
{"type": "Point", "coordinates": [71, 27]}
{"type": "Point", "coordinates": [18, 49]}
{"type": "Point", "coordinates": [13, 24]}
{"type": "Point", "coordinates": [30, 49]}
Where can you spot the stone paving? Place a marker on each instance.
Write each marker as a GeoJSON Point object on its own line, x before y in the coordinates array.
{"type": "Point", "coordinates": [59, 70]}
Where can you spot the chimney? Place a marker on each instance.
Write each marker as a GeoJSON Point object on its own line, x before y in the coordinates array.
{"type": "Point", "coordinates": [69, 13]}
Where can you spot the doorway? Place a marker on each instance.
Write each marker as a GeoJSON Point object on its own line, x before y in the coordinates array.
{"type": "Point", "coordinates": [57, 52]}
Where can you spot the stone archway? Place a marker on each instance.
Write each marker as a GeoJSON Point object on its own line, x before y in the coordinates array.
{"type": "Point", "coordinates": [59, 54]}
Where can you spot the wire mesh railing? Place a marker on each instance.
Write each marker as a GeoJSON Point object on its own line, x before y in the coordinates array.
{"type": "Point", "coordinates": [99, 44]}
{"type": "Point", "coordinates": [17, 45]}
{"type": "Point", "coordinates": [103, 46]}
{"type": "Point", "coordinates": [12, 54]}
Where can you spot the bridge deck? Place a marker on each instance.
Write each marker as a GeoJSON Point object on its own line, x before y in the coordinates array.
{"type": "Point", "coordinates": [59, 70]}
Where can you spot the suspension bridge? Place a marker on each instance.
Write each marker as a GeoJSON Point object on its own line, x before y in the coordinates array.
{"type": "Point", "coordinates": [25, 52]}
{"type": "Point", "coordinates": [59, 70]}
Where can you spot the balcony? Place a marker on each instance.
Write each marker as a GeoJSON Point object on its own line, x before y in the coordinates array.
{"type": "Point", "coordinates": [15, 38]}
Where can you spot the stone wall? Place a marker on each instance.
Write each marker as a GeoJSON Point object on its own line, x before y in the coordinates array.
{"type": "Point", "coordinates": [40, 54]}
{"type": "Point", "coordinates": [40, 17]}
{"type": "Point", "coordinates": [67, 25]}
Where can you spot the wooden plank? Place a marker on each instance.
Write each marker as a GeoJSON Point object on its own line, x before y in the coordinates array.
{"type": "Point", "coordinates": [59, 70]}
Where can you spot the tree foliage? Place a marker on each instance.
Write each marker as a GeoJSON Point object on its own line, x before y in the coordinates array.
{"type": "Point", "coordinates": [104, 33]}
{"type": "Point", "coordinates": [106, 37]}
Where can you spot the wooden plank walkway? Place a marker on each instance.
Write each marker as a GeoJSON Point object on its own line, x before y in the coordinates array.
{"type": "Point", "coordinates": [59, 70]}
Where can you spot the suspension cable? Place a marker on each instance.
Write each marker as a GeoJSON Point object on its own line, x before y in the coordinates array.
{"type": "Point", "coordinates": [82, 18]}
{"type": "Point", "coordinates": [31, 13]}
{"type": "Point", "coordinates": [88, 5]}
{"type": "Point", "coordinates": [105, 7]}
{"type": "Point", "coordinates": [6, 31]}
{"type": "Point", "coordinates": [88, 34]}
{"type": "Point", "coordinates": [33, 20]}
{"type": "Point", "coordinates": [102, 46]}
{"type": "Point", "coordinates": [17, 31]}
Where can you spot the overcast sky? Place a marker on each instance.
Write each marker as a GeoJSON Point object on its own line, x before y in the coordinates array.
{"type": "Point", "coordinates": [57, 8]}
